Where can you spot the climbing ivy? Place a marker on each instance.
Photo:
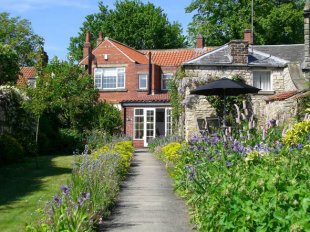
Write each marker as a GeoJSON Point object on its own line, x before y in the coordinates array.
{"type": "Point", "coordinates": [175, 97]}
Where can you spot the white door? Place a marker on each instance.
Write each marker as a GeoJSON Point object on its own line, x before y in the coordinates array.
{"type": "Point", "coordinates": [168, 121]}
{"type": "Point", "coordinates": [149, 125]}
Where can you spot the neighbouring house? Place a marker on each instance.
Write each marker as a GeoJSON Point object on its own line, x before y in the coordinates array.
{"type": "Point", "coordinates": [136, 82]}
{"type": "Point", "coordinates": [280, 71]}
{"type": "Point", "coordinates": [27, 76]}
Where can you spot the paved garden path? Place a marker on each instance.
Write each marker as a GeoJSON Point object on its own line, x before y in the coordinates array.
{"type": "Point", "coordinates": [147, 202]}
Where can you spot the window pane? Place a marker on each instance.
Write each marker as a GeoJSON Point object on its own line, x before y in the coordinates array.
{"type": "Point", "coordinates": [142, 81]}
{"type": "Point", "coordinates": [109, 78]}
{"type": "Point", "coordinates": [261, 79]}
{"type": "Point", "coordinates": [165, 80]}
{"type": "Point", "coordinates": [120, 78]}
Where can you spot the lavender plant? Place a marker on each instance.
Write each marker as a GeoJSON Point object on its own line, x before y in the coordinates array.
{"type": "Point", "coordinates": [90, 193]}
{"type": "Point", "coordinates": [246, 178]}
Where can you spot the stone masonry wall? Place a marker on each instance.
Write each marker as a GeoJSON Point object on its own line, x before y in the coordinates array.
{"type": "Point", "coordinates": [196, 107]}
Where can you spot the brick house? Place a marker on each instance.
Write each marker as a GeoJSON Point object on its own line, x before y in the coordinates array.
{"type": "Point", "coordinates": [281, 71]}
{"type": "Point", "coordinates": [27, 76]}
{"type": "Point", "coordinates": [136, 82]}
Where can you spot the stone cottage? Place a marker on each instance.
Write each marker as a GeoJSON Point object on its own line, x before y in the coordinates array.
{"type": "Point", "coordinates": [280, 71]}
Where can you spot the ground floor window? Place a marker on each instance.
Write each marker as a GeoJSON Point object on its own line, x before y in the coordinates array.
{"type": "Point", "coordinates": [262, 80]}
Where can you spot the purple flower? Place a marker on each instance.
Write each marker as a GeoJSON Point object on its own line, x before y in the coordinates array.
{"type": "Point", "coordinates": [228, 164]}
{"type": "Point", "coordinates": [65, 189]}
{"type": "Point", "coordinates": [80, 202]}
{"type": "Point", "coordinates": [191, 172]}
{"type": "Point", "coordinates": [85, 195]}
{"type": "Point", "coordinates": [273, 122]}
{"type": "Point", "coordinates": [57, 200]}
{"type": "Point", "coordinates": [215, 140]}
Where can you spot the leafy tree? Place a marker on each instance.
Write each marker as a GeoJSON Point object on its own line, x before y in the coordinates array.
{"type": "Point", "coordinates": [275, 21]}
{"type": "Point", "coordinates": [136, 24]}
{"type": "Point", "coordinates": [9, 67]}
{"type": "Point", "coordinates": [71, 93]}
{"type": "Point", "coordinates": [19, 35]}
{"type": "Point", "coordinates": [107, 118]}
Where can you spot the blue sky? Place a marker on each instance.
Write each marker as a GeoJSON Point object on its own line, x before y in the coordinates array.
{"type": "Point", "coordinates": [57, 20]}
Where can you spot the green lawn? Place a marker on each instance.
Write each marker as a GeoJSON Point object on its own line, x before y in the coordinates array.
{"type": "Point", "coordinates": [25, 188]}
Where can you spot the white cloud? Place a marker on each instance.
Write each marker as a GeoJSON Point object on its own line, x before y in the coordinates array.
{"type": "Point", "coordinates": [27, 5]}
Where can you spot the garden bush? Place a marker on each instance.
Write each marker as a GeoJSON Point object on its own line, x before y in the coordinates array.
{"type": "Point", "coordinates": [246, 181]}
{"type": "Point", "coordinates": [10, 149]}
{"type": "Point", "coordinates": [91, 191]}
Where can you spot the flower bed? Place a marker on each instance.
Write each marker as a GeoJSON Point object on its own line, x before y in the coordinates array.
{"type": "Point", "coordinates": [91, 191]}
{"type": "Point", "coordinates": [248, 181]}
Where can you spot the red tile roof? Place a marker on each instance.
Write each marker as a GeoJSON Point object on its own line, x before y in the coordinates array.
{"type": "Point", "coordinates": [282, 96]}
{"type": "Point", "coordinates": [149, 98]}
{"type": "Point", "coordinates": [164, 57]}
{"type": "Point", "coordinates": [130, 52]}
{"type": "Point", "coordinates": [28, 72]}
{"type": "Point", "coordinates": [25, 73]}
{"type": "Point", "coordinates": [175, 57]}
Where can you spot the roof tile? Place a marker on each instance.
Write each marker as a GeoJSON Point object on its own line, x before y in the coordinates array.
{"type": "Point", "coordinates": [175, 57]}
{"type": "Point", "coordinates": [282, 96]}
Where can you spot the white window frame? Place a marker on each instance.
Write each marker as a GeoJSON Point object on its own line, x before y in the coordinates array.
{"type": "Point", "coordinates": [100, 72]}
{"type": "Point", "coordinates": [168, 132]}
{"type": "Point", "coordinates": [139, 85]}
{"type": "Point", "coordinates": [134, 123]}
{"type": "Point", "coordinates": [32, 82]}
{"type": "Point", "coordinates": [270, 78]}
{"type": "Point", "coordinates": [165, 78]}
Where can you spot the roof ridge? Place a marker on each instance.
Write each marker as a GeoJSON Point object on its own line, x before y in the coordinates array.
{"type": "Point", "coordinates": [125, 45]}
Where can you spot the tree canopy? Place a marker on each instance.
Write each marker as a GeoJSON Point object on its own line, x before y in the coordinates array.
{"type": "Point", "coordinates": [18, 34]}
{"type": "Point", "coordinates": [275, 21]}
{"type": "Point", "coordinates": [9, 66]}
{"type": "Point", "coordinates": [136, 24]}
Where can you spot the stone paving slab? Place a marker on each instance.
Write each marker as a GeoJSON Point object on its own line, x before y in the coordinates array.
{"type": "Point", "coordinates": [147, 202]}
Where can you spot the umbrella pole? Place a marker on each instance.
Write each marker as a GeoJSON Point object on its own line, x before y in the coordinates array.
{"type": "Point", "coordinates": [224, 115]}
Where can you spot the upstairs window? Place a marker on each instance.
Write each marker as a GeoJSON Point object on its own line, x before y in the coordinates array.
{"type": "Point", "coordinates": [142, 81]}
{"type": "Point", "coordinates": [262, 80]}
{"type": "Point", "coordinates": [165, 79]}
{"type": "Point", "coordinates": [109, 78]}
{"type": "Point", "coordinates": [32, 82]}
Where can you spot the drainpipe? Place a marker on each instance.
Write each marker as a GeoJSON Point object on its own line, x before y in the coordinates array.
{"type": "Point", "coordinates": [125, 119]}
{"type": "Point", "coordinates": [150, 75]}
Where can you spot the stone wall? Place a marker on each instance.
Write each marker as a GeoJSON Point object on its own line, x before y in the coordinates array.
{"type": "Point", "coordinates": [196, 107]}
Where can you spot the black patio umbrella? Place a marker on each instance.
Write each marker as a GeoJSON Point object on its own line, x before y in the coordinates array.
{"type": "Point", "coordinates": [224, 87]}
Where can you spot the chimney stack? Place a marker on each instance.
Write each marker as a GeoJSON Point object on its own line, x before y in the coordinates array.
{"type": "Point", "coordinates": [307, 35]}
{"type": "Point", "coordinates": [199, 41]}
{"type": "Point", "coordinates": [87, 45]}
{"type": "Point", "coordinates": [238, 50]}
{"type": "Point", "coordinates": [247, 36]}
{"type": "Point", "coordinates": [87, 52]}
{"type": "Point", "coordinates": [100, 38]}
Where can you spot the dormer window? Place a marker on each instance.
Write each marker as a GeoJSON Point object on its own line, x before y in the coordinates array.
{"type": "Point", "coordinates": [109, 78]}
{"type": "Point", "coordinates": [165, 79]}
{"type": "Point", "coordinates": [142, 81]}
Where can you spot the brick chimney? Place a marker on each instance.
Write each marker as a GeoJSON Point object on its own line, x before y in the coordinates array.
{"type": "Point", "coordinates": [87, 45]}
{"type": "Point", "coordinates": [247, 36]}
{"type": "Point", "coordinates": [199, 41]}
{"type": "Point", "coordinates": [306, 64]}
{"type": "Point", "coordinates": [100, 38]}
{"type": "Point", "coordinates": [238, 50]}
{"type": "Point", "coordinates": [87, 52]}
